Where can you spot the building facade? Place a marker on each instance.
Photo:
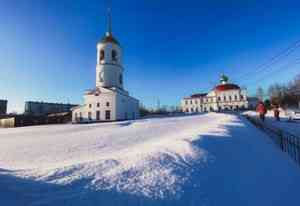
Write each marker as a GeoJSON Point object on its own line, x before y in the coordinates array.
{"type": "Point", "coordinates": [3, 107]}
{"type": "Point", "coordinates": [109, 101]}
{"type": "Point", "coordinates": [225, 96]}
{"type": "Point", "coordinates": [45, 108]}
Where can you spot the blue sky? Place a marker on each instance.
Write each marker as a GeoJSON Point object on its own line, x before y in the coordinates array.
{"type": "Point", "coordinates": [171, 48]}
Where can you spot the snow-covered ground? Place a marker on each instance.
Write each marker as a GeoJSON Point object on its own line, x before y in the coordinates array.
{"type": "Point", "coordinates": [209, 159]}
{"type": "Point", "coordinates": [292, 127]}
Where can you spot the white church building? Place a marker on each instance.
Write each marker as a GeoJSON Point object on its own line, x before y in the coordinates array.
{"type": "Point", "coordinates": [109, 101]}
{"type": "Point", "coordinates": [225, 96]}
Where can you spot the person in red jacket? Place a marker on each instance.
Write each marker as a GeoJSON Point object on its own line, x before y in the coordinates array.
{"type": "Point", "coordinates": [261, 110]}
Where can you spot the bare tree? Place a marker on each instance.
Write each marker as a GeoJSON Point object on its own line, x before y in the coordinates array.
{"type": "Point", "coordinates": [277, 94]}
{"type": "Point", "coordinates": [285, 94]}
{"type": "Point", "coordinates": [260, 93]}
{"type": "Point", "coordinates": [294, 86]}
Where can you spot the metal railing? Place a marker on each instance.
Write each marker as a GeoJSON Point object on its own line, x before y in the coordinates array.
{"type": "Point", "coordinates": [287, 142]}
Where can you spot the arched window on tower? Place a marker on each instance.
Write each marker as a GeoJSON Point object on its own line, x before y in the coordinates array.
{"type": "Point", "coordinates": [114, 55]}
{"type": "Point", "coordinates": [101, 55]}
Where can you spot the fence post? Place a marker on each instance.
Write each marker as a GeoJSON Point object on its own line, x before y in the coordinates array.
{"type": "Point", "coordinates": [298, 148]}
{"type": "Point", "coordinates": [297, 145]}
{"type": "Point", "coordinates": [281, 140]}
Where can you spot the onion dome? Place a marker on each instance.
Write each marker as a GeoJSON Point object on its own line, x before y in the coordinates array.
{"type": "Point", "coordinates": [224, 79]}
{"type": "Point", "coordinates": [108, 38]}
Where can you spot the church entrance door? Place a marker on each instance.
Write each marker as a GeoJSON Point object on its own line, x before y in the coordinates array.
{"type": "Point", "coordinates": [107, 115]}
{"type": "Point", "coordinates": [98, 115]}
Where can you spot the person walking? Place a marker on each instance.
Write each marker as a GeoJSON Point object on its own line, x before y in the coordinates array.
{"type": "Point", "coordinates": [261, 110]}
{"type": "Point", "coordinates": [276, 113]}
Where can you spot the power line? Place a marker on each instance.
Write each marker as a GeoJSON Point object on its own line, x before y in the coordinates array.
{"type": "Point", "coordinates": [277, 57]}
{"type": "Point", "coordinates": [269, 74]}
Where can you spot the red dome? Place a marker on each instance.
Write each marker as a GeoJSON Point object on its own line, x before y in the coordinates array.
{"type": "Point", "coordinates": [225, 87]}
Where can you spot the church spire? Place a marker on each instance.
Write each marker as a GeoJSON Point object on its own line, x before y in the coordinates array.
{"type": "Point", "coordinates": [109, 33]}
{"type": "Point", "coordinates": [108, 37]}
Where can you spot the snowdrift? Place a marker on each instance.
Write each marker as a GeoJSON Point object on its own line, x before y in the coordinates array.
{"type": "Point", "coordinates": [208, 159]}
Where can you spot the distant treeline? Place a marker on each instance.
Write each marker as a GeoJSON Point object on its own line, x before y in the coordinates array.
{"type": "Point", "coordinates": [284, 95]}
{"type": "Point", "coordinates": [164, 110]}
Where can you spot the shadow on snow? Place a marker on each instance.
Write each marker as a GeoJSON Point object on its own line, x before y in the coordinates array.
{"type": "Point", "coordinates": [242, 169]}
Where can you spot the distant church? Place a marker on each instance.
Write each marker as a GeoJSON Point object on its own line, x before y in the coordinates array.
{"type": "Point", "coordinates": [109, 101]}
{"type": "Point", "coordinates": [225, 96]}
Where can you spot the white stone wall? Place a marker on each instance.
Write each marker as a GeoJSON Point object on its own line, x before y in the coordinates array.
{"type": "Point", "coordinates": [109, 70]}
{"type": "Point", "coordinates": [127, 107]}
{"type": "Point", "coordinates": [121, 107]}
{"type": "Point", "coordinates": [109, 76]}
{"type": "Point", "coordinates": [93, 104]}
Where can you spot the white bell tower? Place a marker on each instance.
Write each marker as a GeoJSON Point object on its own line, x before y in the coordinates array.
{"type": "Point", "coordinates": [109, 70]}
{"type": "Point", "coordinates": [109, 101]}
